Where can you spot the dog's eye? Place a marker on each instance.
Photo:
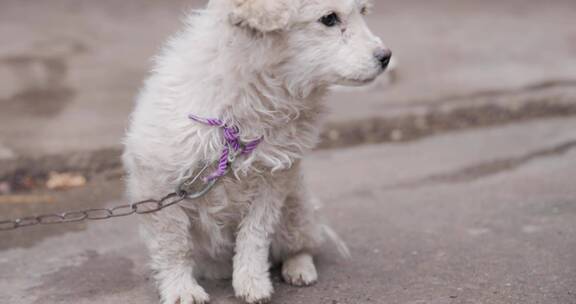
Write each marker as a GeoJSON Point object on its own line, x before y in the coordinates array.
{"type": "Point", "coordinates": [330, 20]}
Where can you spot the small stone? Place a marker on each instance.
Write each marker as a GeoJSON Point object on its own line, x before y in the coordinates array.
{"type": "Point", "coordinates": [334, 135]}
{"type": "Point", "coordinates": [5, 188]}
{"type": "Point", "coordinates": [59, 181]}
{"type": "Point", "coordinates": [396, 135]}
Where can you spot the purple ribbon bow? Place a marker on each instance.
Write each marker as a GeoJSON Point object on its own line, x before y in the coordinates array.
{"type": "Point", "coordinates": [232, 141]}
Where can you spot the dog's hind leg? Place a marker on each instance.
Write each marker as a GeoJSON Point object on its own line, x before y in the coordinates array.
{"type": "Point", "coordinates": [298, 235]}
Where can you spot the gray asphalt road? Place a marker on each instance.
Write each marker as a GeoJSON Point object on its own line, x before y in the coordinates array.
{"type": "Point", "coordinates": [481, 216]}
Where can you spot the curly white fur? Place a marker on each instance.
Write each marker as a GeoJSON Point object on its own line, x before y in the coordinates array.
{"type": "Point", "coordinates": [264, 66]}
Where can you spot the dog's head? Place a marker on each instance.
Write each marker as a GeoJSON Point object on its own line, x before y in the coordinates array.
{"type": "Point", "coordinates": [323, 41]}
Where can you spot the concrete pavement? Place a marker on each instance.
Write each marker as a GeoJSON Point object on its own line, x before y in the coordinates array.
{"type": "Point", "coordinates": [471, 200]}
{"type": "Point", "coordinates": [477, 216]}
{"type": "Point", "coordinates": [70, 69]}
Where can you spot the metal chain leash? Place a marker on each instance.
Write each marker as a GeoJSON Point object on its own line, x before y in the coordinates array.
{"type": "Point", "coordinates": [185, 191]}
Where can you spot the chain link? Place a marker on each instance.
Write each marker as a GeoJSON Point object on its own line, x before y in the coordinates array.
{"type": "Point", "coordinates": [184, 191]}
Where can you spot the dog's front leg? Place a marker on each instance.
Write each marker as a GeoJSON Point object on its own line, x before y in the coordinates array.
{"type": "Point", "coordinates": [168, 238]}
{"type": "Point", "coordinates": [251, 277]}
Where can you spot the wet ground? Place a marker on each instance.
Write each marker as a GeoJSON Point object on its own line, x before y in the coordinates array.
{"type": "Point", "coordinates": [476, 216]}
{"type": "Point", "coordinates": [70, 68]}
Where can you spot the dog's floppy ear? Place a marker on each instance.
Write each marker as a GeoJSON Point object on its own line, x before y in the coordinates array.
{"type": "Point", "coordinates": [263, 15]}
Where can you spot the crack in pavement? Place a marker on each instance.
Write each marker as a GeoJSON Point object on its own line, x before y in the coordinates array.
{"type": "Point", "coordinates": [463, 175]}
{"type": "Point", "coordinates": [485, 169]}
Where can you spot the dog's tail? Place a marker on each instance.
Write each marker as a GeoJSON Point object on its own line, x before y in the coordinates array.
{"type": "Point", "coordinates": [337, 241]}
{"type": "Point", "coordinates": [328, 232]}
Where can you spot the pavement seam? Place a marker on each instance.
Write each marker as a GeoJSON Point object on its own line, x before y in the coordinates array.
{"type": "Point", "coordinates": [490, 168]}
{"type": "Point", "coordinates": [551, 100]}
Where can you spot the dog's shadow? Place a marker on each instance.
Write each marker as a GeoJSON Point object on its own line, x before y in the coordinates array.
{"type": "Point", "coordinates": [221, 291]}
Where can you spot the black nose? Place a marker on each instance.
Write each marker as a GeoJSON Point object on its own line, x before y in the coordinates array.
{"type": "Point", "coordinates": [383, 55]}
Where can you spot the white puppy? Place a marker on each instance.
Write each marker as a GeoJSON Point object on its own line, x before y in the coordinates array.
{"type": "Point", "coordinates": [261, 66]}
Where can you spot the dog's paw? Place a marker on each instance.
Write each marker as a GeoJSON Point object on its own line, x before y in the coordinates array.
{"type": "Point", "coordinates": [184, 293]}
{"type": "Point", "coordinates": [253, 289]}
{"type": "Point", "coordinates": [299, 270]}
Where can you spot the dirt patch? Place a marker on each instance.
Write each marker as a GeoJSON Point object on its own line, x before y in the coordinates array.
{"type": "Point", "coordinates": [27, 174]}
